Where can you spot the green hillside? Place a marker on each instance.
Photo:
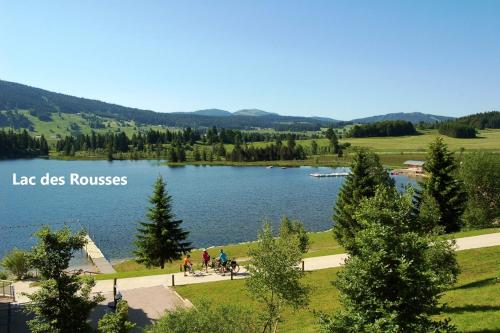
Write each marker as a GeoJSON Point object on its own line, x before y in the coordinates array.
{"type": "Point", "coordinates": [63, 124]}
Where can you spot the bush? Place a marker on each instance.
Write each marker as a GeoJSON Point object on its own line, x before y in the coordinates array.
{"type": "Point", "coordinates": [116, 322]}
{"type": "Point", "coordinates": [207, 318]}
{"type": "Point", "coordinates": [16, 262]}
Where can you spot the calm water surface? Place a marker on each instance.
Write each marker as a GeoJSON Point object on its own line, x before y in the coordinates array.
{"type": "Point", "coordinates": [219, 205]}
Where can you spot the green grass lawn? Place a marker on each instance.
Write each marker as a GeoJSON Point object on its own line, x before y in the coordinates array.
{"type": "Point", "coordinates": [474, 302]}
{"type": "Point", "coordinates": [322, 244]}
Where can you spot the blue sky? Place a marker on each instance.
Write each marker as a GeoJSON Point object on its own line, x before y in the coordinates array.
{"type": "Point", "coordinates": [341, 59]}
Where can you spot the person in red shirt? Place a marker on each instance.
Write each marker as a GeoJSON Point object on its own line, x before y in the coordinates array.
{"type": "Point", "coordinates": [205, 259]}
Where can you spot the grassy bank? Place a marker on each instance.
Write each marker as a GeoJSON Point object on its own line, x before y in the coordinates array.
{"type": "Point", "coordinates": [322, 244]}
{"type": "Point", "coordinates": [474, 303]}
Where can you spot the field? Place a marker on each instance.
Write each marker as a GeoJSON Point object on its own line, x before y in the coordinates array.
{"type": "Point", "coordinates": [473, 304]}
{"type": "Point", "coordinates": [322, 244]}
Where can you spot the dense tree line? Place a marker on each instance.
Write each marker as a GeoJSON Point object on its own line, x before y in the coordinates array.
{"type": "Point", "coordinates": [482, 120]}
{"type": "Point", "coordinates": [272, 152]}
{"type": "Point", "coordinates": [120, 142]}
{"type": "Point", "coordinates": [383, 128]}
{"type": "Point", "coordinates": [14, 145]}
{"type": "Point", "coordinates": [455, 129]}
{"type": "Point", "coordinates": [231, 136]}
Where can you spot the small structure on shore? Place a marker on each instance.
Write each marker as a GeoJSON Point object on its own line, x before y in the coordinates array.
{"type": "Point", "coordinates": [415, 166]}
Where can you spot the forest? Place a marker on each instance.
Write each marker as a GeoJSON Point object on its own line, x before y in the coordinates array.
{"type": "Point", "coordinates": [17, 145]}
{"type": "Point", "coordinates": [457, 129]}
{"type": "Point", "coordinates": [383, 128]}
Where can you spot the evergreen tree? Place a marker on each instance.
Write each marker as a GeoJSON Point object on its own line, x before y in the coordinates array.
{"type": "Point", "coordinates": [394, 279]}
{"type": "Point", "coordinates": [196, 153]}
{"type": "Point", "coordinates": [442, 185]}
{"type": "Point", "coordinates": [366, 174]}
{"type": "Point", "coordinates": [44, 147]}
{"type": "Point", "coordinates": [161, 239]}
{"type": "Point", "coordinates": [314, 147]}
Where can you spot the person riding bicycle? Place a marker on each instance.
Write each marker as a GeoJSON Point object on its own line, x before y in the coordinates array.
{"type": "Point", "coordinates": [205, 259]}
{"type": "Point", "coordinates": [223, 260]}
{"type": "Point", "coordinates": [188, 265]}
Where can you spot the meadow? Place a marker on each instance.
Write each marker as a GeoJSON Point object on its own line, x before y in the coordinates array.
{"type": "Point", "coordinates": [473, 303]}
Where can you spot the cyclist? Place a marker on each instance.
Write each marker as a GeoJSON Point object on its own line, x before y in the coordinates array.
{"type": "Point", "coordinates": [205, 259]}
{"type": "Point", "coordinates": [188, 265]}
{"type": "Point", "coordinates": [223, 260]}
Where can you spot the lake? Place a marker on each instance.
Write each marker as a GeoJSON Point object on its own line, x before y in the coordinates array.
{"type": "Point", "coordinates": [218, 204]}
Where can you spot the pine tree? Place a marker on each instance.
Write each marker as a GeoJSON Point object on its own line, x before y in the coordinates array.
{"type": "Point", "coordinates": [44, 147]}
{"type": "Point", "coordinates": [394, 279]}
{"type": "Point", "coordinates": [443, 187]}
{"type": "Point", "coordinates": [366, 174]}
{"type": "Point", "coordinates": [161, 239]}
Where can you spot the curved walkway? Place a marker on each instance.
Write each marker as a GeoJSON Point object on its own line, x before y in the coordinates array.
{"type": "Point", "coordinates": [310, 264]}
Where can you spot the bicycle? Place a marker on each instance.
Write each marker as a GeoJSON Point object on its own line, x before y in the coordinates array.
{"type": "Point", "coordinates": [231, 266]}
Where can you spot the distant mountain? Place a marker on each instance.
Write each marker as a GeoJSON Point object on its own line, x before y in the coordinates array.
{"type": "Point", "coordinates": [326, 119]}
{"type": "Point", "coordinates": [44, 104]}
{"type": "Point", "coordinates": [254, 113]}
{"type": "Point", "coordinates": [414, 117]}
{"type": "Point", "coordinates": [213, 113]}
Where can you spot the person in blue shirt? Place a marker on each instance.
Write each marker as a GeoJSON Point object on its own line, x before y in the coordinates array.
{"type": "Point", "coordinates": [223, 260]}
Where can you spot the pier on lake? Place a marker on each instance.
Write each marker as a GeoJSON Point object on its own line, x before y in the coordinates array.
{"type": "Point", "coordinates": [95, 254]}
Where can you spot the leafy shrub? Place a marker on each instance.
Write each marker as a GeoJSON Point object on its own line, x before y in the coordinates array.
{"type": "Point", "coordinates": [205, 317]}
{"type": "Point", "coordinates": [16, 262]}
{"type": "Point", "coordinates": [116, 322]}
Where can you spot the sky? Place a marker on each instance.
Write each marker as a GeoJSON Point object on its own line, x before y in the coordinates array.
{"type": "Point", "coordinates": [339, 59]}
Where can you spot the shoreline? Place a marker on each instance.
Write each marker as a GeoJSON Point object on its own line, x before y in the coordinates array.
{"type": "Point", "coordinates": [119, 261]}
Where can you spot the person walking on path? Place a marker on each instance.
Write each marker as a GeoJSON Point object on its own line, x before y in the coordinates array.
{"type": "Point", "coordinates": [223, 261]}
{"type": "Point", "coordinates": [205, 259]}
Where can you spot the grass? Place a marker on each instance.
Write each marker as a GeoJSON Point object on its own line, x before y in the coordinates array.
{"type": "Point", "coordinates": [474, 302]}
{"type": "Point", "coordinates": [322, 244]}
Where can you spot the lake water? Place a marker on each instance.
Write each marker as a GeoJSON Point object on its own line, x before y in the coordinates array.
{"type": "Point", "coordinates": [219, 205]}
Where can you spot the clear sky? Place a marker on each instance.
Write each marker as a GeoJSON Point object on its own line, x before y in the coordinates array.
{"type": "Point", "coordinates": [341, 59]}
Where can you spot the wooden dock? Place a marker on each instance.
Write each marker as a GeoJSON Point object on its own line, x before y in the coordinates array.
{"type": "Point", "coordinates": [95, 254]}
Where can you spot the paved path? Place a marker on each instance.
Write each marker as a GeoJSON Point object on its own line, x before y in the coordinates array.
{"type": "Point", "coordinates": [310, 264]}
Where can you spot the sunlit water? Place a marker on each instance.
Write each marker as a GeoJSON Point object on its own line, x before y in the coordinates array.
{"type": "Point", "coordinates": [219, 205]}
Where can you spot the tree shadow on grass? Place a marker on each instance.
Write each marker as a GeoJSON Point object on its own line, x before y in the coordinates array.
{"type": "Point", "coordinates": [472, 308]}
{"type": "Point", "coordinates": [477, 284]}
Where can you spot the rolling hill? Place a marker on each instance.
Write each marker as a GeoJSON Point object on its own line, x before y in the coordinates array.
{"type": "Point", "coordinates": [44, 104]}
{"type": "Point", "coordinates": [254, 113]}
{"type": "Point", "coordinates": [414, 117]}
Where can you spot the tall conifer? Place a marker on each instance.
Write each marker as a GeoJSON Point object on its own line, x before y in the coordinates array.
{"type": "Point", "coordinates": [443, 186]}
{"type": "Point", "coordinates": [366, 175]}
{"type": "Point", "coordinates": [161, 239]}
